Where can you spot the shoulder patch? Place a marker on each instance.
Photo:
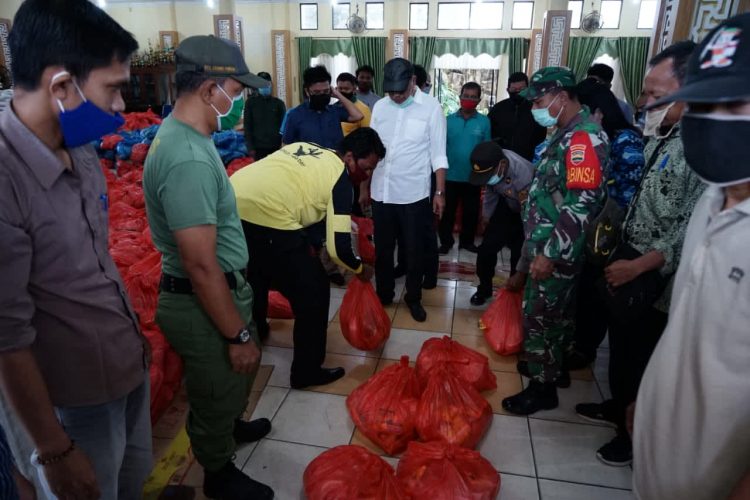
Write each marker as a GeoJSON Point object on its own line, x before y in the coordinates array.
{"type": "Point", "coordinates": [581, 163]}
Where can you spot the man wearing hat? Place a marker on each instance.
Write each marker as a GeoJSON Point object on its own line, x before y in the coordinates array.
{"type": "Point", "coordinates": [691, 435]}
{"type": "Point", "coordinates": [508, 177]}
{"type": "Point", "coordinates": [413, 129]}
{"type": "Point", "coordinates": [263, 116]}
{"type": "Point", "coordinates": [205, 303]}
{"type": "Point", "coordinates": [566, 193]}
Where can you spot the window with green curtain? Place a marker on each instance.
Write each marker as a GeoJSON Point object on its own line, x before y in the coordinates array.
{"type": "Point", "coordinates": [633, 52]}
{"type": "Point", "coordinates": [370, 50]}
{"type": "Point", "coordinates": [581, 54]}
{"type": "Point", "coordinates": [304, 46]}
{"type": "Point", "coordinates": [421, 50]}
{"type": "Point", "coordinates": [517, 50]}
{"type": "Point", "coordinates": [332, 46]}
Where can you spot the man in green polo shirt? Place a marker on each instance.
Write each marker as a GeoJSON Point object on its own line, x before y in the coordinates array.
{"type": "Point", "coordinates": [205, 304]}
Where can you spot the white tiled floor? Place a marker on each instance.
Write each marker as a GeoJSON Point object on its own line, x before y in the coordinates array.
{"type": "Point", "coordinates": [548, 456]}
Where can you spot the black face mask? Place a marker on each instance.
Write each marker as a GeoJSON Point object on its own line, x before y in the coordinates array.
{"type": "Point", "coordinates": [715, 145]}
{"type": "Point", "coordinates": [318, 102]}
{"type": "Point", "coordinates": [352, 97]}
{"type": "Point", "coordinates": [515, 97]}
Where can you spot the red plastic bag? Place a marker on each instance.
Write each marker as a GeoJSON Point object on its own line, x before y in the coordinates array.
{"type": "Point", "coordinates": [440, 471]}
{"type": "Point", "coordinates": [364, 322]}
{"type": "Point", "coordinates": [278, 306]}
{"type": "Point", "coordinates": [238, 164]}
{"type": "Point", "coordinates": [365, 230]}
{"type": "Point", "coordinates": [139, 152]}
{"type": "Point", "coordinates": [351, 472]}
{"type": "Point", "coordinates": [468, 364]}
{"type": "Point", "coordinates": [451, 410]}
{"type": "Point", "coordinates": [385, 407]}
{"type": "Point", "coordinates": [502, 323]}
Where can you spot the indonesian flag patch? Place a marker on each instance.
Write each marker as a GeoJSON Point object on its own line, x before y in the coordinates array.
{"type": "Point", "coordinates": [581, 163]}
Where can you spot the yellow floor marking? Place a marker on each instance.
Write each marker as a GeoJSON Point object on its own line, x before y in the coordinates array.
{"type": "Point", "coordinates": [175, 457]}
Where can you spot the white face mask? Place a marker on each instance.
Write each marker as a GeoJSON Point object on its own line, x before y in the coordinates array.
{"type": "Point", "coordinates": [653, 121]}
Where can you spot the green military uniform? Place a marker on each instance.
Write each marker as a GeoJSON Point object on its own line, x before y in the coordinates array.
{"type": "Point", "coordinates": [185, 185]}
{"type": "Point", "coordinates": [566, 193]}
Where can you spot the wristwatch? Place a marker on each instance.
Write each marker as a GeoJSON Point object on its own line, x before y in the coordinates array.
{"type": "Point", "coordinates": [243, 337]}
{"type": "Point", "coordinates": [439, 193]}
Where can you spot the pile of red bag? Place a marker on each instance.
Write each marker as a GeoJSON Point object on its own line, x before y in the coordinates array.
{"type": "Point", "coordinates": [433, 411]}
{"type": "Point", "coordinates": [139, 264]}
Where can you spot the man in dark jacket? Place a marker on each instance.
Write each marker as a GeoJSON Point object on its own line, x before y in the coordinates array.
{"type": "Point", "coordinates": [263, 116]}
{"type": "Point", "coordinates": [513, 127]}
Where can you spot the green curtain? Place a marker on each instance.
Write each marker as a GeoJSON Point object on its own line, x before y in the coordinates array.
{"type": "Point", "coordinates": [304, 45]}
{"type": "Point", "coordinates": [332, 46]}
{"type": "Point", "coordinates": [633, 59]}
{"type": "Point", "coordinates": [518, 50]}
{"type": "Point", "coordinates": [474, 46]}
{"type": "Point", "coordinates": [581, 54]}
{"type": "Point", "coordinates": [421, 50]}
{"type": "Point", "coordinates": [370, 50]}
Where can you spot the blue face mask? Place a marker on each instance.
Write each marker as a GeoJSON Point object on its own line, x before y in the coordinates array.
{"type": "Point", "coordinates": [86, 123]}
{"type": "Point", "coordinates": [544, 118]}
{"type": "Point", "coordinates": [494, 180]}
{"type": "Point", "coordinates": [408, 102]}
{"type": "Point", "coordinates": [264, 91]}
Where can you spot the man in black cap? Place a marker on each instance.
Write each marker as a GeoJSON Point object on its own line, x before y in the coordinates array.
{"type": "Point", "coordinates": [263, 116]}
{"type": "Point", "coordinates": [508, 177]}
{"type": "Point", "coordinates": [413, 129]}
{"type": "Point", "coordinates": [691, 435]}
{"type": "Point", "coordinates": [205, 302]}
{"type": "Point", "coordinates": [513, 127]}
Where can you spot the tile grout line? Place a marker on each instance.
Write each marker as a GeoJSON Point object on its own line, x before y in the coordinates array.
{"type": "Point", "coordinates": [533, 456]}
{"type": "Point", "coordinates": [583, 484]}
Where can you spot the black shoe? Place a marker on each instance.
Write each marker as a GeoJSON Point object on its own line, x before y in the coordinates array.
{"type": "Point", "coordinates": [337, 279]}
{"type": "Point", "coordinates": [417, 311]}
{"type": "Point", "coordinates": [563, 380]}
{"type": "Point", "coordinates": [470, 247]}
{"type": "Point", "coordinates": [322, 377]}
{"type": "Point", "coordinates": [444, 249]}
{"type": "Point", "coordinates": [429, 283]}
{"type": "Point", "coordinates": [385, 302]}
{"type": "Point", "coordinates": [479, 298]}
{"type": "Point", "coordinates": [598, 413]}
{"type": "Point", "coordinates": [249, 432]}
{"type": "Point", "coordinates": [576, 360]}
{"type": "Point", "coordinates": [230, 483]}
{"type": "Point", "coordinates": [617, 453]}
{"type": "Point", "coordinates": [537, 396]}
{"type": "Point", "coordinates": [399, 271]}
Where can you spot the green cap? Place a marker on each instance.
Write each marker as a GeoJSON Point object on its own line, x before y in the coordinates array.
{"type": "Point", "coordinates": [215, 57]}
{"type": "Point", "coordinates": [546, 79]}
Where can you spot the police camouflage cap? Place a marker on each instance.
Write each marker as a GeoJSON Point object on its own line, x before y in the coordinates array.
{"type": "Point", "coordinates": [215, 57]}
{"type": "Point", "coordinates": [549, 78]}
{"type": "Point", "coordinates": [719, 69]}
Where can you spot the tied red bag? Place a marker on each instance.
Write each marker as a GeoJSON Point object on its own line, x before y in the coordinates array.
{"type": "Point", "coordinates": [364, 322]}
{"type": "Point", "coordinates": [278, 306]}
{"type": "Point", "coordinates": [452, 411]}
{"type": "Point", "coordinates": [365, 230]}
{"type": "Point", "coordinates": [385, 407]}
{"type": "Point", "coordinates": [351, 472]}
{"type": "Point", "coordinates": [502, 323]}
{"type": "Point", "coordinates": [440, 471]}
{"type": "Point", "coordinates": [468, 364]}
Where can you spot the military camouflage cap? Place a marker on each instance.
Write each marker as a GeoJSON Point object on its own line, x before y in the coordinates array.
{"type": "Point", "coordinates": [549, 78]}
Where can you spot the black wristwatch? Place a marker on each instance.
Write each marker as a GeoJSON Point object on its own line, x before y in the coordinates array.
{"type": "Point", "coordinates": [243, 337]}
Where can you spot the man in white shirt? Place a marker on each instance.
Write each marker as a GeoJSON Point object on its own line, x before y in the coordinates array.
{"type": "Point", "coordinates": [692, 416]}
{"type": "Point", "coordinates": [412, 126]}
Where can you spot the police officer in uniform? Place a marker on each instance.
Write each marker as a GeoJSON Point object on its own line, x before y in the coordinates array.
{"type": "Point", "coordinates": [565, 195]}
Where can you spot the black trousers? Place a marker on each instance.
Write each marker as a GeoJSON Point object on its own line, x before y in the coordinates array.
{"type": "Point", "coordinates": [505, 229]}
{"type": "Point", "coordinates": [284, 259]}
{"type": "Point", "coordinates": [411, 224]}
{"type": "Point", "coordinates": [468, 196]}
{"type": "Point", "coordinates": [630, 347]}
{"type": "Point", "coordinates": [261, 153]}
{"type": "Point", "coordinates": [591, 312]}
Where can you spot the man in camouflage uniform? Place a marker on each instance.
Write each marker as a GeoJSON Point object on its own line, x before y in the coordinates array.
{"type": "Point", "coordinates": [566, 194]}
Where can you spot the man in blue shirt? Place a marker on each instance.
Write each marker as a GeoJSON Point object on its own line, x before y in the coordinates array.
{"type": "Point", "coordinates": [316, 120]}
{"type": "Point", "coordinates": [466, 129]}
